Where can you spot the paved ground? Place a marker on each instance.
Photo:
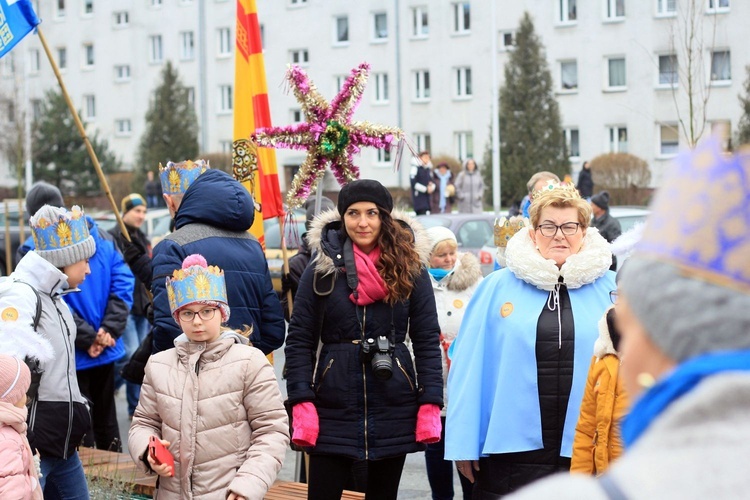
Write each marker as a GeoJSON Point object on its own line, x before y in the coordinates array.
{"type": "Point", "coordinates": [414, 483]}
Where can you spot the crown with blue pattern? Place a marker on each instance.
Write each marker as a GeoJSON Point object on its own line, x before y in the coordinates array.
{"type": "Point", "coordinates": [197, 282]}
{"type": "Point", "coordinates": [700, 217]}
{"type": "Point", "coordinates": [176, 178]}
{"type": "Point", "coordinates": [61, 236]}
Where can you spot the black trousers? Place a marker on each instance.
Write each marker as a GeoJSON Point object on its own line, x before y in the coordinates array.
{"type": "Point", "coordinates": [329, 474]}
{"type": "Point", "coordinates": [98, 385]}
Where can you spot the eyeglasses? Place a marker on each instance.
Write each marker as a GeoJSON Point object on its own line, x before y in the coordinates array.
{"type": "Point", "coordinates": [550, 230]}
{"type": "Point", "coordinates": [187, 315]}
{"type": "Point", "coordinates": [613, 296]}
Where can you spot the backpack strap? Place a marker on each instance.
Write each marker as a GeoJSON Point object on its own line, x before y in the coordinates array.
{"type": "Point", "coordinates": [38, 313]}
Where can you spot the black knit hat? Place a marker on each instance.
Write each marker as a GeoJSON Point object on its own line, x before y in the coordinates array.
{"type": "Point", "coordinates": [601, 200]}
{"type": "Point", "coordinates": [364, 190]}
{"type": "Point", "coordinates": [40, 194]}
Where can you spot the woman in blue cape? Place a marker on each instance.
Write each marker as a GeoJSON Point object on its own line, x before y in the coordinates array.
{"type": "Point", "coordinates": [520, 361]}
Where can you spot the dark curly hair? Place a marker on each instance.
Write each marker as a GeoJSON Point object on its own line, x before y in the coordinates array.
{"type": "Point", "coordinates": [399, 264]}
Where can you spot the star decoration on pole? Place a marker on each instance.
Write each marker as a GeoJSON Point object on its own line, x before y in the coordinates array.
{"type": "Point", "coordinates": [329, 135]}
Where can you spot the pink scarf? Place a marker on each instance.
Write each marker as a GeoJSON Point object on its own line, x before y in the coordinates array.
{"type": "Point", "coordinates": [371, 286]}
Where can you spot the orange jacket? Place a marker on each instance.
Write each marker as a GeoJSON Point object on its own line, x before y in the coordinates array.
{"type": "Point", "coordinates": [597, 440]}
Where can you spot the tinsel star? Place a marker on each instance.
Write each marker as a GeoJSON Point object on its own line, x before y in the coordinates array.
{"type": "Point", "coordinates": [329, 135]}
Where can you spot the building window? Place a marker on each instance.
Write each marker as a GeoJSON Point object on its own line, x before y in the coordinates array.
{"type": "Point", "coordinates": [668, 75]}
{"type": "Point", "coordinates": [299, 57]}
{"type": "Point", "coordinates": [156, 3]}
{"type": "Point", "coordinates": [614, 10]}
{"type": "Point", "coordinates": [156, 54]}
{"type": "Point", "coordinates": [381, 88]}
{"type": "Point", "coordinates": [123, 127]}
{"type": "Point", "coordinates": [666, 7]}
{"type": "Point", "coordinates": [424, 141]}
{"type": "Point", "coordinates": [89, 107]}
{"type": "Point", "coordinates": [62, 57]}
{"type": "Point", "coordinates": [507, 40]}
{"type": "Point", "coordinates": [88, 55]}
{"type": "Point", "coordinates": [717, 6]}
{"type": "Point", "coordinates": [225, 42]}
{"type": "Point", "coordinates": [464, 145]}
{"type": "Point", "coordinates": [338, 83]}
{"type": "Point", "coordinates": [618, 139]}
{"type": "Point", "coordinates": [421, 85]}
{"type": "Point", "coordinates": [341, 35]}
{"type": "Point", "coordinates": [33, 61]}
{"type": "Point", "coordinates": [191, 95]}
{"type": "Point", "coordinates": [225, 146]}
{"type": "Point", "coordinates": [11, 111]}
{"type": "Point", "coordinates": [122, 19]}
{"type": "Point", "coordinates": [187, 46]}
{"type": "Point", "coordinates": [380, 26]}
{"type": "Point", "coordinates": [569, 75]}
{"type": "Point", "coordinates": [420, 25]}
{"type": "Point", "coordinates": [36, 109]}
{"type": "Point", "coordinates": [8, 65]}
{"type": "Point", "coordinates": [573, 143]}
{"type": "Point", "coordinates": [88, 7]}
{"type": "Point", "coordinates": [669, 140]}
{"type": "Point", "coordinates": [122, 73]}
{"type": "Point", "coordinates": [296, 115]}
{"type": "Point", "coordinates": [225, 98]}
{"type": "Point", "coordinates": [384, 156]}
{"type": "Point", "coordinates": [721, 69]}
{"type": "Point", "coordinates": [616, 73]}
{"type": "Point", "coordinates": [568, 12]}
{"type": "Point", "coordinates": [723, 130]}
{"type": "Point", "coordinates": [297, 2]}
{"type": "Point", "coordinates": [59, 9]}
{"type": "Point", "coordinates": [461, 17]}
{"type": "Point", "coordinates": [463, 82]}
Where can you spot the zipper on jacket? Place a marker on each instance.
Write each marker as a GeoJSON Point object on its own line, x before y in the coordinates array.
{"type": "Point", "coordinates": [403, 370]}
{"type": "Point", "coordinates": [70, 390]}
{"type": "Point", "coordinates": [323, 375]}
{"type": "Point", "coordinates": [364, 381]}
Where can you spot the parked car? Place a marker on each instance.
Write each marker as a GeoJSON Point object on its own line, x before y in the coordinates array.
{"type": "Point", "coordinates": [628, 217]}
{"type": "Point", "coordinates": [293, 234]}
{"type": "Point", "coordinates": [471, 230]}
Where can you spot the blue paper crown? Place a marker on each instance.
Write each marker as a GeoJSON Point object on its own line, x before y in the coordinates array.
{"type": "Point", "coordinates": [70, 228]}
{"type": "Point", "coordinates": [196, 284]}
{"type": "Point", "coordinates": [700, 218]}
{"type": "Point", "coordinates": [176, 178]}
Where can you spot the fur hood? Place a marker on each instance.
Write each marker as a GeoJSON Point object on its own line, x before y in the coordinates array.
{"type": "Point", "coordinates": [328, 223]}
{"type": "Point", "coordinates": [588, 265]}
{"type": "Point", "coordinates": [464, 275]}
{"type": "Point", "coordinates": [603, 344]}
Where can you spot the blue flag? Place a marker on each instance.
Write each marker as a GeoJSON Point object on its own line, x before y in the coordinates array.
{"type": "Point", "coordinates": [17, 19]}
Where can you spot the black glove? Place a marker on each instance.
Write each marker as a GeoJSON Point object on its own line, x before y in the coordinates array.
{"type": "Point", "coordinates": [287, 283]}
{"type": "Point", "coordinates": [131, 253]}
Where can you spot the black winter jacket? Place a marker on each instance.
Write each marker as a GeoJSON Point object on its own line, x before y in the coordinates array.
{"type": "Point", "coordinates": [361, 417]}
{"type": "Point", "coordinates": [139, 263]}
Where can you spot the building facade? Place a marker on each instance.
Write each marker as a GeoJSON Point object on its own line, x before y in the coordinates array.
{"type": "Point", "coordinates": [619, 70]}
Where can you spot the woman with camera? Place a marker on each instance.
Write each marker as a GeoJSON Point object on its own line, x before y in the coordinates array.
{"type": "Point", "coordinates": [520, 361]}
{"type": "Point", "coordinates": [350, 378]}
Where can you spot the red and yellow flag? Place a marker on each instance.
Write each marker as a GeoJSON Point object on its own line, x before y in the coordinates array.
{"type": "Point", "coordinates": [251, 111]}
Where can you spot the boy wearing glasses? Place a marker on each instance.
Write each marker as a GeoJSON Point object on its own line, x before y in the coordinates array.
{"type": "Point", "coordinates": [212, 400]}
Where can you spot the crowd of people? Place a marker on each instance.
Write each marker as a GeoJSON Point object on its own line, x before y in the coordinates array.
{"type": "Point", "coordinates": [564, 379]}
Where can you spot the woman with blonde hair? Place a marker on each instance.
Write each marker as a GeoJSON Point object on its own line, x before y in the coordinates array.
{"type": "Point", "coordinates": [354, 390]}
{"type": "Point", "coordinates": [520, 361]}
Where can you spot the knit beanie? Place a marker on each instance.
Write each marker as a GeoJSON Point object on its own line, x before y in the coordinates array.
{"type": "Point", "coordinates": [688, 280]}
{"type": "Point", "coordinates": [364, 190]}
{"type": "Point", "coordinates": [15, 379]}
{"type": "Point", "coordinates": [131, 201]}
{"type": "Point", "coordinates": [61, 237]}
{"type": "Point", "coordinates": [439, 234]}
{"type": "Point", "coordinates": [40, 194]}
{"type": "Point", "coordinates": [325, 204]}
{"type": "Point", "coordinates": [601, 200]}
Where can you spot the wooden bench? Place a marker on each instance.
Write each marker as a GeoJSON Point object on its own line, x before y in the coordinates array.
{"type": "Point", "coordinates": [119, 470]}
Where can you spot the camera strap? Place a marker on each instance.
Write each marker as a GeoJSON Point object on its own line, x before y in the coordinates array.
{"type": "Point", "coordinates": [351, 267]}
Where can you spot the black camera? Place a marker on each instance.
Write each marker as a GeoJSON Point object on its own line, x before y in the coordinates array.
{"type": "Point", "coordinates": [379, 351]}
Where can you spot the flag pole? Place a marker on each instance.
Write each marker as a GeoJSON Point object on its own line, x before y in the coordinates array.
{"type": "Point", "coordinates": [82, 131]}
{"type": "Point", "coordinates": [285, 266]}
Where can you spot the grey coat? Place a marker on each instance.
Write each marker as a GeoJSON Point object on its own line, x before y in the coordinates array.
{"type": "Point", "coordinates": [697, 448]}
{"type": "Point", "coordinates": [469, 191]}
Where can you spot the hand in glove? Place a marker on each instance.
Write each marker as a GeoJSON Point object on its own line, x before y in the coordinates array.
{"type": "Point", "coordinates": [305, 424]}
{"type": "Point", "coordinates": [131, 253]}
{"type": "Point", "coordinates": [428, 424]}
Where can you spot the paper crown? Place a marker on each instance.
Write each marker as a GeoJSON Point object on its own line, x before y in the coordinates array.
{"type": "Point", "coordinates": [506, 228]}
{"type": "Point", "coordinates": [700, 217]}
{"type": "Point", "coordinates": [196, 281]}
{"type": "Point", "coordinates": [553, 185]}
{"type": "Point", "coordinates": [176, 178]}
{"type": "Point", "coordinates": [67, 229]}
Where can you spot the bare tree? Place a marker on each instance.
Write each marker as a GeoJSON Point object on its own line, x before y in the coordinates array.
{"type": "Point", "coordinates": [624, 175]}
{"type": "Point", "coordinates": [691, 41]}
{"type": "Point", "coordinates": [12, 129]}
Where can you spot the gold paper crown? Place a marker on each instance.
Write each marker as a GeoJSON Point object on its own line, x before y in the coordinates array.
{"type": "Point", "coordinates": [176, 178]}
{"type": "Point", "coordinates": [506, 228]}
{"type": "Point", "coordinates": [552, 186]}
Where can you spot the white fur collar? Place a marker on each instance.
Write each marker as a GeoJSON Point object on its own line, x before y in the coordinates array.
{"type": "Point", "coordinates": [603, 344]}
{"type": "Point", "coordinates": [588, 265]}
